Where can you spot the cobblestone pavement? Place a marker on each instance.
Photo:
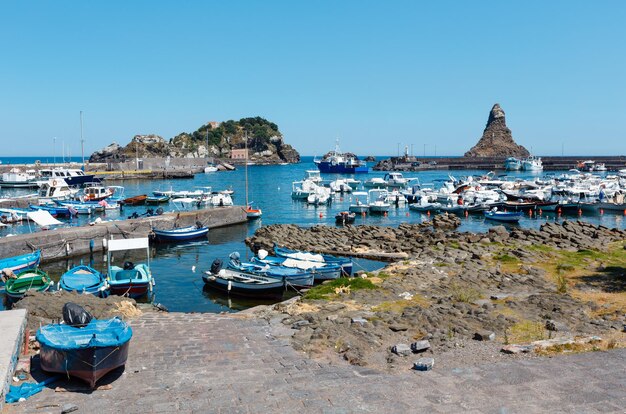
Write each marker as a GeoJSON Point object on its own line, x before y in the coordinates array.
{"type": "Point", "coordinates": [207, 363]}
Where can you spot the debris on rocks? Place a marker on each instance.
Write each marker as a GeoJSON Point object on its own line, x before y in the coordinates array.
{"type": "Point", "coordinates": [424, 364]}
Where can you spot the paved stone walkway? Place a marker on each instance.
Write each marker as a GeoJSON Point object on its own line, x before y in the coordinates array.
{"type": "Point", "coordinates": [207, 363]}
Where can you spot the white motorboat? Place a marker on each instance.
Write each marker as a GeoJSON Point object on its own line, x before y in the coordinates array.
{"type": "Point", "coordinates": [395, 179]}
{"type": "Point", "coordinates": [375, 182]}
{"type": "Point", "coordinates": [512, 164]}
{"type": "Point", "coordinates": [360, 203]}
{"type": "Point", "coordinates": [55, 189]}
{"type": "Point", "coordinates": [321, 195]}
{"type": "Point", "coordinates": [340, 186]}
{"type": "Point", "coordinates": [378, 201]}
{"type": "Point", "coordinates": [18, 179]}
{"type": "Point", "coordinates": [532, 163]}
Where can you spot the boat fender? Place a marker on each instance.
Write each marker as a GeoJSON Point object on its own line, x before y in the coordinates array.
{"type": "Point", "coordinates": [216, 266]}
{"type": "Point", "coordinates": [129, 265]}
{"type": "Point", "coordinates": [262, 254]}
{"type": "Point", "coordinates": [54, 182]}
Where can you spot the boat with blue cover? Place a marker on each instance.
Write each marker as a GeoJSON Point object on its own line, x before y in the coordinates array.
{"type": "Point", "coordinates": [132, 280]}
{"type": "Point", "coordinates": [88, 352]}
{"type": "Point", "coordinates": [239, 283]}
{"type": "Point", "coordinates": [292, 276]}
{"type": "Point", "coordinates": [180, 234]}
{"type": "Point", "coordinates": [502, 216]}
{"type": "Point", "coordinates": [84, 279]}
{"type": "Point", "coordinates": [344, 262]}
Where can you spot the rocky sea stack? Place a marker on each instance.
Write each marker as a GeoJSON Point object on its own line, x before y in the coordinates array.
{"type": "Point", "coordinates": [214, 139]}
{"type": "Point", "coordinates": [497, 140]}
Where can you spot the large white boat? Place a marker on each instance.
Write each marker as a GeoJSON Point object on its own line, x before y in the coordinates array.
{"type": "Point", "coordinates": [72, 176]}
{"type": "Point", "coordinates": [532, 163]}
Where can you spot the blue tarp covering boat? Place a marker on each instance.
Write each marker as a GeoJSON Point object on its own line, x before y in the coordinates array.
{"type": "Point", "coordinates": [87, 353]}
{"type": "Point", "coordinates": [295, 277]}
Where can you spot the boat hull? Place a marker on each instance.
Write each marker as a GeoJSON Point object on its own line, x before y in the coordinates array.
{"type": "Point", "coordinates": [176, 236]}
{"type": "Point", "coordinates": [232, 287]}
{"type": "Point", "coordinates": [129, 289]}
{"type": "Point", "coordinates": [329, 168]}
{"type": "Point", "coordinates": [504, 217]}
{"type": "Point", "coordinates": [88, 364]}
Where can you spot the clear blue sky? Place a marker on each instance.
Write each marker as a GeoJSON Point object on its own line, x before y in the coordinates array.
{"type": "Point", "coordinates": [373, 73]}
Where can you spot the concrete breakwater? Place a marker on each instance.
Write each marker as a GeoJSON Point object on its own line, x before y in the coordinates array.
{"type": "Point", "coordinates": [612, 163]}
{"type": "Point", "coordinates": [74, 241]}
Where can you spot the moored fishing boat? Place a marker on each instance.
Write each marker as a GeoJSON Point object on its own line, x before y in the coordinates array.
{"type": "Point", "coordinates": [239, 283]}
{"type": "Point", "coordinates": [292, 276]}
{"type": "Point", "coordinates": [505, 217]}
{"type": "Point", "coordinates": [321, 271]}
{"type": "Point", "coordinates": [28, 280]}
{"type": "Point", "coordinates": [345, 262]}
{"type": "Point", "coordinates": [180, 234]}
{"type": "Point", "coordinates": [253, 213]}
{"type": "Point", "coordinates": [345, 217]}
{"type": "Point", "coordinates": [135, 201]}
{"type": "Point", "coordinates": [88, 352]}
{"type": "Point", "coordinates": [85, 280]}
{"type": "Point", "coordinates": [162, 199]}
{"type": "Point", "coordinates": [512, 164]}
{"type": "Point", "coordinates": [337, 162]}
{"type": "Point", "coordinates": [132, 280]}
{"type": "Point", "coordinates": [22, 262]}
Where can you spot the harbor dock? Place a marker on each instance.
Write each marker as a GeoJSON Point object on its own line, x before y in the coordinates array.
{"type": "Point", "coordinates": [75, 241]}
{"type": "Point", "coordinates": [193, 363]}
{"type": "Point", "coordinates": [413, 163]}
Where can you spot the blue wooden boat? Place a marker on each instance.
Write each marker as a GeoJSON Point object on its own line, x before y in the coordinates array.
{"type": "Point", "coordinates": [180, 234]}
{"type": "Point", "coordinates": [84, 279]}
{"type": "Point", "coordinates": [132, 280]}
{"type": "Point", "coordinates": [504, 217]}
{"type": "Point", "coordinates": [321, 271]}
{"type": "Point", "coordinates": [157, 199]}
{"type": "Point", "coordinates": [89, 352]}
{"type": "Point", "coordinates": [23, 262]}
{"type": "Point", "coordinates": [344, 262]}
{"type": "Point", "coordinates": [294, 277]}
{"type": "Point", "coordinates": [55, 211]}
{"type": "Point", "coordinates": [239, 283]}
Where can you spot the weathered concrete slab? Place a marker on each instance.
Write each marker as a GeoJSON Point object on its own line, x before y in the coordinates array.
{"type": "Point", "coordinates": [73, 241]}
{"type": "Point", "coordinates": [12, 325]}
{"type": "Point", "coordinates": [197, 363]}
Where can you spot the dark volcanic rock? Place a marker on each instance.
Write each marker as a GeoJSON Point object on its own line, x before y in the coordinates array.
{"type": "Point", "coordinates": [497, 140]}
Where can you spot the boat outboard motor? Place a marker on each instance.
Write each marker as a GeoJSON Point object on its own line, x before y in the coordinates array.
{"type": "Point", "coordinates": [129, 265]}
{"type": "Point", "coordinates": [159, 211]}
{"type": "Point", "coordinates": [234, 258]}
{"type": "Point", "coordinates": [75, 315]}
{"type": "Point", "coordinates": [216, 266]}
{"type": "Point", "coordinates": [199, 225]}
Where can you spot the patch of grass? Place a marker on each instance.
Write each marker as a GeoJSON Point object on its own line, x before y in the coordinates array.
{"type": "Point", "coordinates": [526, 331]}
{"type": "Point", "coordinates": [327, 290]}
{"type": "Point", "coordinates": [441, 264]}
{"type": "Point", "coordinates": [541, 248]}
{"type": "Point", "coordinates": [561, 283]}
{"type": "Point", "coordinates": [505, 258]}
{"type": "Point", "coordinates": [454, 245]}
{"type": "Point", "coordinates": [398, 306]}
{"type": "Point", "coordinates": [464, 294]}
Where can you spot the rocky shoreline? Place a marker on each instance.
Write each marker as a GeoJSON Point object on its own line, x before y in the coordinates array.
{"type": "Point", "coordinates": [460, 298]}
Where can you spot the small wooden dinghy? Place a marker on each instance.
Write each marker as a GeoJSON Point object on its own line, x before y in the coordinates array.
{"type": "Point", "coordinates": [135, 201]}
{"type": "Point", "coordinates": [28, 280]}
{"type": "Point", "coordinates": [240, 283]}
{"type": "Point", "coordinates": [345, 217]}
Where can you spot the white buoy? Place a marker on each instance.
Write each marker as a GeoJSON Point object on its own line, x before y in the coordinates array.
{"type": "Point", "coordinates": [193, 269]}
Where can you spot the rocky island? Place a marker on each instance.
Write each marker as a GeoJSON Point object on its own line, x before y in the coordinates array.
{"type": "Point", "coordinates": [497, 140]}
{"type": "Point", "coordinates": [211, 140]}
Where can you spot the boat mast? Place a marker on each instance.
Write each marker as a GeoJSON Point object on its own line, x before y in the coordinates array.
{"type": "Point", "coordinates": [246, 167]}
{"type": "Point", "coordinates": [82, 141]}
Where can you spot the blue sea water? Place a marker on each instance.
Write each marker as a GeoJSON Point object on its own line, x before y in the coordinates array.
{"type": "Point", "coordinates": [178, 268]}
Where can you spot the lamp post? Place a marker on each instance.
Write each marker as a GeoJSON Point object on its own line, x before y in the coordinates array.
{"type": "Point", "coordinates": [54, 151]}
